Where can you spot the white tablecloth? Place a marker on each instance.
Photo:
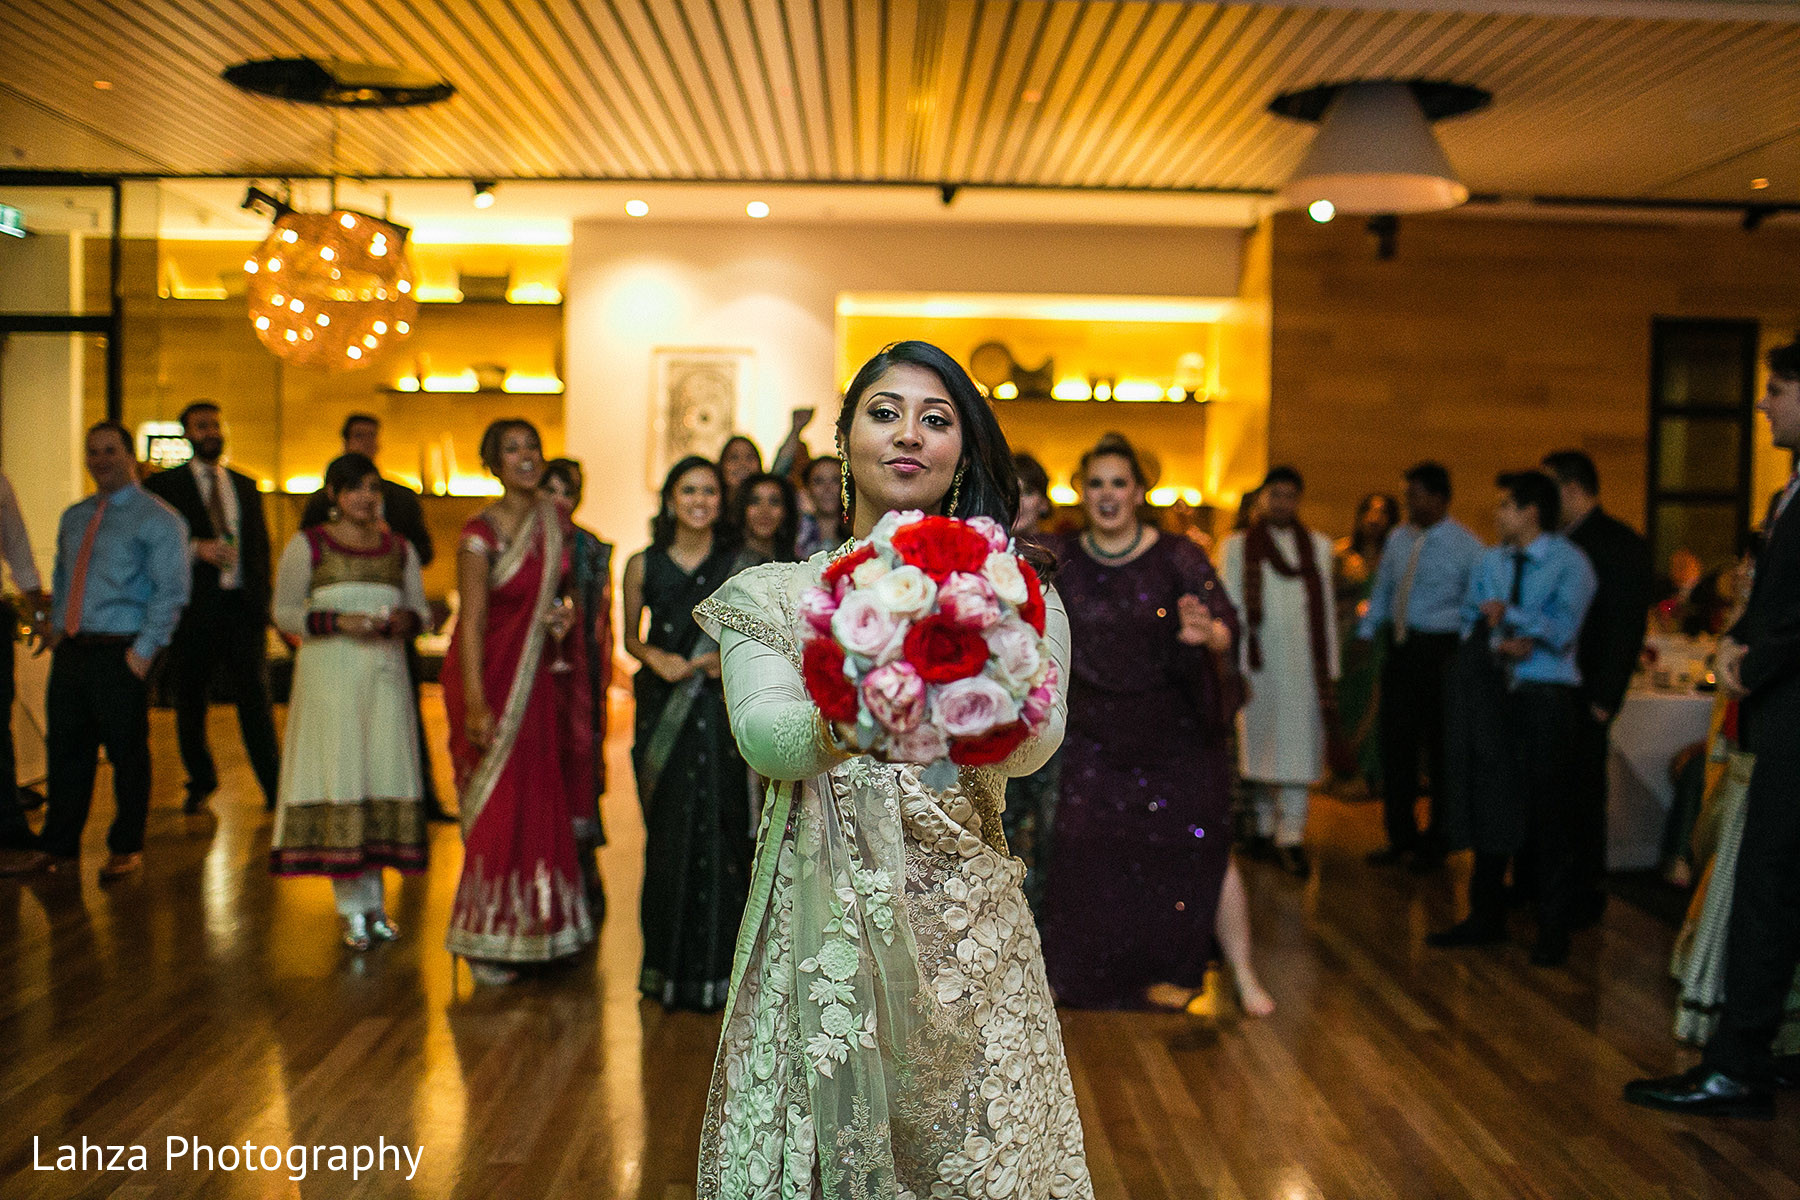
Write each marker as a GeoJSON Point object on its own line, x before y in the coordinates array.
{"type": "Point", "coordinates": [1651, 729]}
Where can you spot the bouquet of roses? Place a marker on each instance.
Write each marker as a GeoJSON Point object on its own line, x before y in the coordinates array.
{"type": "Point", "coordinates": [925, 644]}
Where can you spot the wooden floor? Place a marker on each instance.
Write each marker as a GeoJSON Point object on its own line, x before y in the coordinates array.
{"type": "Point", "coordinates": [207, 1001]}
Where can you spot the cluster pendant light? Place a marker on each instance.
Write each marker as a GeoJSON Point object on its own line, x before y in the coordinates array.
{"type": "Point", "coordinates": [331, 289]}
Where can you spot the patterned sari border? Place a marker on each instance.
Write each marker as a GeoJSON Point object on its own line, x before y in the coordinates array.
{"type": "Point", "coordinates": [749, 625]}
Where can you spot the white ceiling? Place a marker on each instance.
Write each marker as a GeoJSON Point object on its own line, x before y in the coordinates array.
{"type": "Point", "coordinates": [1662, 99]}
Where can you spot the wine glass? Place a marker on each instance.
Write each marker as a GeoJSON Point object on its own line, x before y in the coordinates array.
{"type": "Point", "coordinates": [562, 666]}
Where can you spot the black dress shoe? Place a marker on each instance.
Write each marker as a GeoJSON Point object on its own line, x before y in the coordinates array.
{"type": "Point", "coordinates": [1551, 949]}
{"type": "Point", "coordinates": [1294, 860]}
{"type": "Point", "coordinates": [1387, 856]}
{"type": "Point", "coordinates": [1703, 1091]}
{"type": "Point", "coordinates": [1466, 933]}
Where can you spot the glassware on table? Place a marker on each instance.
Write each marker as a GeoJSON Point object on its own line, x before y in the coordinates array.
{"type": "Point", "coordinates": [561, 665]}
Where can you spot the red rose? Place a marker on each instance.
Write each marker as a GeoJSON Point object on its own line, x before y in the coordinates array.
{"type": "Point", "coordinates": [941, 546]}
{"type": "Point", "coordinates": [842, 567]}
{"type": "Point", "coordinates": [990, 748]}
{"type": "Point", "coordinates": [822, 666]}
{"type": "Point", "coordinates": [1032, 611]}
{"type": "Point", "coordinates": [942, 651]}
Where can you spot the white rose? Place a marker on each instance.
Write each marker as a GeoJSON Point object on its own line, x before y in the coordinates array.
{"type": "Point", "coordinates": [1017, 658]}
{"type": "Point", "coordinates": [971, 707]}
{"type": "Point", "coordinates": [1003, 575]}
{"type": "Point", "coordinates": [867, 573]}
{"type": "Point", "coordinates": [905, 592]}
{"type": "Point", "coordinates": [863, 627]}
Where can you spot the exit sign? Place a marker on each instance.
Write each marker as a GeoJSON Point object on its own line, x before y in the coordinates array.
{"type": "Point", "coordinates": [12, 221]}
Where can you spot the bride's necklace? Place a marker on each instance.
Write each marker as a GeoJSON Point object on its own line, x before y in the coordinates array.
{"type": "Point", "coordinates": [1094, 546]}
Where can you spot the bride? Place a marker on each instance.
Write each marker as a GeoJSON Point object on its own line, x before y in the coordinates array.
{"type": "Point", "coordinates": [889, 1031]}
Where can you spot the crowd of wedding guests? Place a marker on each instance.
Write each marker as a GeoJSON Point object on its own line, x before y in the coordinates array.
{"type": "Point", "coordinates": [1407, 660]}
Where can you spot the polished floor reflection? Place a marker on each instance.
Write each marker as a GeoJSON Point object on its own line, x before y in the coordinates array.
{"type": "Point", "coordinates": [206, 1001]}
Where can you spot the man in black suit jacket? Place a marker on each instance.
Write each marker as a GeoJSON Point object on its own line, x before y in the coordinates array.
{"type": "Point", "coordinates": [1759, 661]}
{"type": "Point", "coordinates": [401, 509]}
{"type": "Point", "coordinates": [227, 615]}
{"type": "Point", "coordinates": [1612, 638]}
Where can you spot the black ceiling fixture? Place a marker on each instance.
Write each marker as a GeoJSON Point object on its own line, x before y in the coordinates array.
{"type": "Point", "coordinates": [1437, 98]}
{"type": "Point", "coordinates": [337, 82]}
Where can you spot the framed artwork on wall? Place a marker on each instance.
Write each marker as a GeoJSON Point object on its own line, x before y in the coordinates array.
{"type": "Point", "coordinates": [695, 392]}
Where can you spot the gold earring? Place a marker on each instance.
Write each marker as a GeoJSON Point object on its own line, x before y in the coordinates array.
{"type": "Point", "coordinates": [955, 490]}
{"type": "Point", "coordinates": [844, 478]}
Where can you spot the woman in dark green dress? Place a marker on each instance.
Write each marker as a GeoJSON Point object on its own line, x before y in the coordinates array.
{"type": "Point", "coordinates": [690, 775]}
{"type": "Point", "coordinates": [1359, 689]}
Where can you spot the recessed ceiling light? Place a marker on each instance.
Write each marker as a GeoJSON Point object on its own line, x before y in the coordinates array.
{"type": "Point", "coordinates": [1759, 184]}
{"type": "Point", "coordinates": [1321, 210]}
{"type": "Point", "coordinates": [104, 85]}
{"type": "Point", "coordinates": [757, 209]}
{"type": "Point", "coordinates": [636, 208]}
{"type": "Point", "coordinates": [484, 193]}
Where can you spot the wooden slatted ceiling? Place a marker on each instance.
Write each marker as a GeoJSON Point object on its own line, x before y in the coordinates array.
{"type": "Point", "coordinates": [1082, 93]}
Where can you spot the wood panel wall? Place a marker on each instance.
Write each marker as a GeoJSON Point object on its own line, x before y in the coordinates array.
{"type": "Point", "coordinates": [1486, 342]}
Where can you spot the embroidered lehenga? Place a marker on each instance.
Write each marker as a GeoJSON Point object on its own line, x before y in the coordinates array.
{"type": "Point", "coordinates": [889, 1033]}
{"type": "Point", "coordinates": [521, 897]}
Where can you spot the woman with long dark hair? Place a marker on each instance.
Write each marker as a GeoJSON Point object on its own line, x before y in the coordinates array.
{"type": "Point", "coordinates": [765, 513]}
{"type": "Point", "coordinates": [1354, 561]}
{"type": "Point", "coordinates": [891, 1032]}
{"type": "Point", "coordinates": [515, 692]}
{"type": "Point", "coordinates": [690, 776]}
{"type": "Point", "coordinates": [1144, 885]}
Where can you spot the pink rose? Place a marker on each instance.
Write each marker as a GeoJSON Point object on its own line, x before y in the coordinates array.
{"type": "Point", "coordinates": [992, 530]}
{"type": "Point", "coordinates": [1041, 699]}
{"type": "Point", "coordinates": [1017, 654]}
{"type": "Point", "coordinates": [895, 697]}
{"type": "Point", "coordinates": [816, 607]}
{"type": "Point", "coordinates": [863, 627]}
{"type": "Point", "coordinates": [926, 744]}
{"type": "Point", "coordinates": [969, 601]}
{"type": "Point", "coordinates": [971, 707]}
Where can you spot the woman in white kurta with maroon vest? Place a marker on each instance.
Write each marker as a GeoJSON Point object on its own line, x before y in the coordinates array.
{"type": "Point", "coordinates": [889, 1033]}
{"type": "Point", "coordinates": [1278, 574]}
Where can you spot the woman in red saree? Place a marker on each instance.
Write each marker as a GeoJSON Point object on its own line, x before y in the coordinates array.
{"type": "Point", "coordinates": [515, 692]}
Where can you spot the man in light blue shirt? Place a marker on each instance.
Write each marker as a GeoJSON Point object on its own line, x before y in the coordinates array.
{"type": "Point", "coordinates": [1416, 603]}
{"type": "Point", "coordinates": [121, 579]}
{"type": "Point", "coordinates": [1525, 607]}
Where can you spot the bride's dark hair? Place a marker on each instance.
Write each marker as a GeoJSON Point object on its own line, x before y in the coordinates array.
{"type": "Point", "coordinates": [990, 485]}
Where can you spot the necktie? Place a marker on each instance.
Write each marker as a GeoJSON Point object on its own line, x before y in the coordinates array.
{"type": "Point", "coordinates": [78, 582]}
{"type": "Point", "coordinates": [1518, 586]}
{"type": "Point", "coordinates": [215, 503]}
{"type": "Point", "coordinates": [1403, 593]}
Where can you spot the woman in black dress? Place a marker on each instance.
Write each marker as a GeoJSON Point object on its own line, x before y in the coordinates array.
{"type": "Point", "coordinates": [690, 775]}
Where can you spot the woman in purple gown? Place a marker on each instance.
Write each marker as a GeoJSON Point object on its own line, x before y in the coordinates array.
{"type": "Point", "coordinates": [1144, 879]}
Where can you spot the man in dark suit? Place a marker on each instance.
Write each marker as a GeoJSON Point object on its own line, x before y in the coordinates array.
{"type": "Point", "coordinates": [1759, 661]}
{"type": "Point", "coordinates": [227, 615]}
{"type": "Point", "coordinates": [399, 504]}
{"type": "Point", "coordinates": [405, 516]}
{"type": "Point", "coordinates": [1612, 638]}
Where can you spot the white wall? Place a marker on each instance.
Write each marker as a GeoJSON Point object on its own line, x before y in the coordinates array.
{"type": "Point", "coordinates": [773, 288]}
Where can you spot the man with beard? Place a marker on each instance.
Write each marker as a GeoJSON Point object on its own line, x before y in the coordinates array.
{"type": "Point", "coordinates": [1278, 574]}
{"type": "Point", "coordinates": [225, 623]}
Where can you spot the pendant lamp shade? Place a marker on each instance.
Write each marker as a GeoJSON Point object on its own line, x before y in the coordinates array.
{"type": "Point", "coordinates": [1375, 153]}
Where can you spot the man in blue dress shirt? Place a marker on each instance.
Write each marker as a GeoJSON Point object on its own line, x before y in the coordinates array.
{"type": "Point", "coordinates": [1525, 607]}
{"type": "Point", "coordinates": [1417, 602]}
{"type": "Point", "coordinates": [121, 579]}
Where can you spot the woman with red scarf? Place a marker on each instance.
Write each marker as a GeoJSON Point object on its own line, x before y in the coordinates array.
{"type": "Point", "coordinates": [515, 691]}
{"type": "Point", "coordinates": [1278, 574]}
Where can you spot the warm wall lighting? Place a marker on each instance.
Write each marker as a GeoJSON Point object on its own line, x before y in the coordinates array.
{"type": "Point", "coordinates": [463, 382]}
{"type": "Point", "coordinates": [473, 485]}
{"type": "Point", "coordinates": [438, 294]}
{"type": "Point", "coordinates": [1071, 389]}
{"type": "Point", "coordinates": [534, 293]}
{"type": "Point", "coordinates": [1062, 493]}
{"type": "Point", "coordinates": [756, 209]}
{"type": "Point", "coordinates": [302, 485]}
{"type": "Point", "coordinates": [1759, 184]}
{"type": "Point", "coordinates": [1007, 391]}
{"type": "Point", "coordinates": [1162, 497]}
{"type": "Point", "coordinates": [636, 208]}
{"type": "Point", "coordinates": [1321, 211]}
{"type": "Point", "coordinates": [484, 193]}
{"type": "Point", "coordinates": [532, 385]}
{"type": "Point", "coordinates": [1103, 391]}
{"type": "Point", "coordinates": [406, 383]}
{"type": "Point", "coordinates": [1136, 391]}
